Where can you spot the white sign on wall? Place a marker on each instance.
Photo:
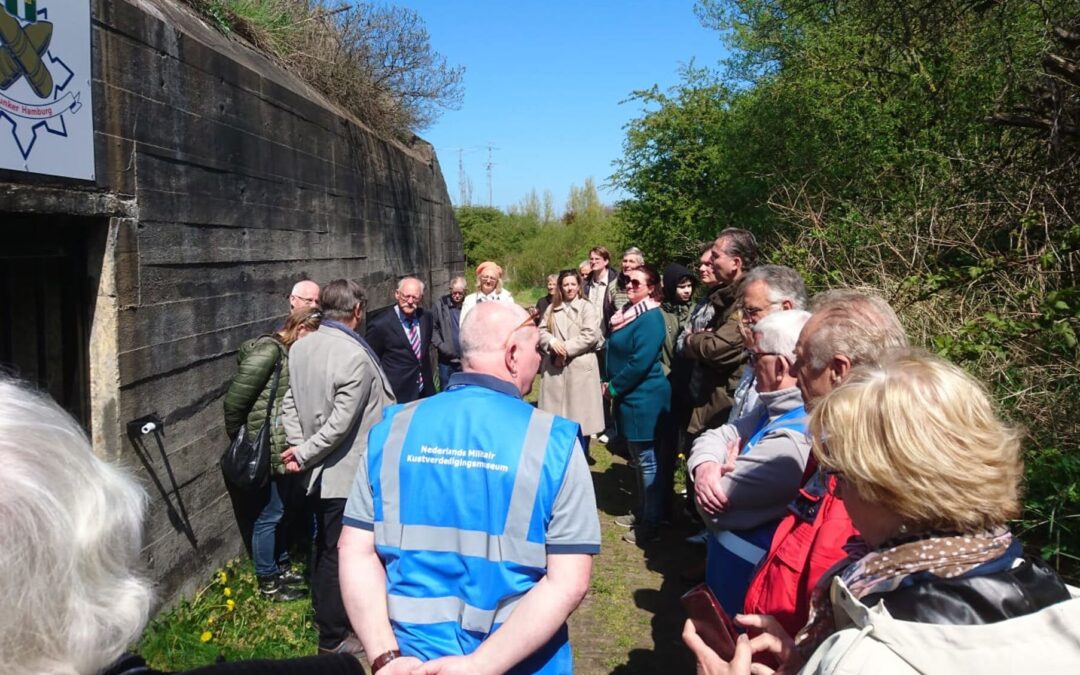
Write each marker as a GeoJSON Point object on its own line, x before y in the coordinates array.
{"type": "Point", "coordinates": [46, 120]}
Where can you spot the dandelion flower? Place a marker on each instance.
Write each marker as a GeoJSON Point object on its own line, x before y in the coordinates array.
{"type": "Point", "coordinates": [210, 621]}
{"type": "Point", "coordinates": [222, 577]}
{"type": "Point", "coordinates": [227, 591]}
{"type": "Point", "coordinates": [230, 604]}
{"type": "Point", "coordinates": [206, 636]}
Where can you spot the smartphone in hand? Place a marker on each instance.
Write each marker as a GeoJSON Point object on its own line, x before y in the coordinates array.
{"type": "Point", "coordinates": [710, 620]}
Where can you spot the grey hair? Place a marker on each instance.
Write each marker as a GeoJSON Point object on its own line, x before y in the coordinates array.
{"type": "Point", "coordinates": [476, 334]}
{"type": "Point", "coordinates": [71, 527]}
{"type": "Point", "coordinates": [784, 283]}
{"type": "Point", "coordinates": [553, 277]}
{"type": "Point", "coordinates": [459, 280]}
{"type": "Point", "coordinates": [778, 332]}
{"type": "Point", "coordinates": [340, 297]}
{"type": "Point", "coordinates": [404, 279]}
{"type": "Point", "coordinates": [858, 325]}
{"type": "Point", "coordinates": [636, 252]}
{"type": "Point", "coordinates": [741, 244]}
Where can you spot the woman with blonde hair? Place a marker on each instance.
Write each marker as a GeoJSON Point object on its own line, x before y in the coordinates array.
{"type": "Point", "coordinates": [259, 511]}
{"type": "Point", "coordinates": [489, 287]}
{"type": "Point", "coordinates": [569, 372]}
{"type": "Point", "coordinates": [930, 477]}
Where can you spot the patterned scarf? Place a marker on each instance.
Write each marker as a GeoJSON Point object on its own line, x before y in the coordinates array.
{"type": "Point", "coordinates": [628, 313]}
{"type": "Point", "coordinates": [886, 569]}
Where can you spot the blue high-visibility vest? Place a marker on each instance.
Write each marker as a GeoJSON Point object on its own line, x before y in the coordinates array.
{"type": "Point", "coordinates": [461, 506]}
{"type": "Point", "coordinates": [732, 555]}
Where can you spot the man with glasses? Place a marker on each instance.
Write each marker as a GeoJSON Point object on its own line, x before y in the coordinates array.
{"type": "Point", "coordinates": [304, 294]}
{"type": "Point", "coordinates": [765, 289]}
{"type": "Point", "coordinates": [746, 473]}
{"type": "Point", "coordinates": [446, 329]}
{"type": "Point", "coordinates": [847, 329]}
{"type": "Point", "coordinates": [471, 527]}
{"type": "Point", "coordinates": [402, 338]}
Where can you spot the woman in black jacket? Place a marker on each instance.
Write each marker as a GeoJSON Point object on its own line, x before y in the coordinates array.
{"type": "Point", "coordinates": [260, 511]}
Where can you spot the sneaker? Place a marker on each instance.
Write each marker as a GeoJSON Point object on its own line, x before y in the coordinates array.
{"type": "Point", "coordinates": [626, 521]}
{"type": "Point", "coordinates": [641, 535]}
{"type": "Point", "coordinates": [274, 589]}
{"type": "Point", "coordinates": [603, 438]}
{"type": "Point", "coordinates": [698, 539]}
{"type": "Point", "coordinates": [350, 645]}
{"type": "Point", "coordinates": [289, 576]}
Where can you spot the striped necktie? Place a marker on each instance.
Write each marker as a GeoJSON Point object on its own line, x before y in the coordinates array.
{"type": "Point", "coordinates": [414, 342]}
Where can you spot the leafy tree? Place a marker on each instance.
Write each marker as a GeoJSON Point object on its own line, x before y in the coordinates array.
{"type": "Point", "coordinates": [926, 149]}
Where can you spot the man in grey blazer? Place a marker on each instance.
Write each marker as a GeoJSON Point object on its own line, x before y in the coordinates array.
{"type": "Point", "coordinates": [337, 392]}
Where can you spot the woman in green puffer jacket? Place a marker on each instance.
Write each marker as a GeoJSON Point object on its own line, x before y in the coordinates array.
{"type": "Point", "coordinates": [259, 511]}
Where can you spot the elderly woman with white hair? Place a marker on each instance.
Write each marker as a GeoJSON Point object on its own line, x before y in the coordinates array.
{"type": "Point", "coordinates": [73, 594]}
{"type": "Point", "coordinates": [930, 477]}
{"type": "Point", "coordinates": [746, 473]}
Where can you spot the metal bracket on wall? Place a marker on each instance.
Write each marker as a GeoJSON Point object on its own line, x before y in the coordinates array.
{"type": "Point", "coordinates": [137, 431]}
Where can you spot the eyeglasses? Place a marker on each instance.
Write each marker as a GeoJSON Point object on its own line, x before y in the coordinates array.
{"type": "Point", "coordinates": [831, 479]}
{"type": "Point", "coordinates": [756, 356]}
{"type": "Point", "coordinates": [634, 283]}
{"type": "Point", "coordinates": [527, 323]}
{"type": "Point", "coordinates": [749, 311]}
{"type": "Point", "coordinates": [307, 301]}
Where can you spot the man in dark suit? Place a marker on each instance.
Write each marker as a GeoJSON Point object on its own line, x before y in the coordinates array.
{"type": "Point", "coordinates": [402, 338]}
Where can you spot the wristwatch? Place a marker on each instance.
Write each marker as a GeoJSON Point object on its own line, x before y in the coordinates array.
{"type": "Point", "coordinates": [384, 659]}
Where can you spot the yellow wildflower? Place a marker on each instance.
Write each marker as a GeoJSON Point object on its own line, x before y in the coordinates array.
{"type": "Point", "coordinates": [227, 591]}
{"type": "Point", "coordinates": [230, 604]}
{"type": "Point", "coordinates": [210, 621]}
{"type": "Point", "coordinates": [222, 577]}
{"type": "Point", "coordinates": [206, 636]}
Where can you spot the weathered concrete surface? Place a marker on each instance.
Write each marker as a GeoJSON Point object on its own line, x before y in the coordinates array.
{"type": "Point", "coordinates": [222, 180]}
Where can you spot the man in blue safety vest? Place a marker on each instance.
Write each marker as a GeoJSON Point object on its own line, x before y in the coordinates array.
{"type": "Point", "coordinates": [471, 527]}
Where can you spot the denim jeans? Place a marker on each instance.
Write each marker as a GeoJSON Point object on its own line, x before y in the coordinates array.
{"type": "Point", "coordinates": [650, 499]}
{"type": "Point", "coordinates": [266, 550]}
{"type": "Point", "coordinates": [445, 371]}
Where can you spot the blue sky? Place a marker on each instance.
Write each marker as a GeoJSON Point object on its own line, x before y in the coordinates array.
{"type": "Point", "coordinates": [543, 85]}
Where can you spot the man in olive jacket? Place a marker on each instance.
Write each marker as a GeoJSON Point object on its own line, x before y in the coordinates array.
{"type": "Point", "coordinates": [337, 393]}
{"type": "Point", "coordinates": [719, 348]}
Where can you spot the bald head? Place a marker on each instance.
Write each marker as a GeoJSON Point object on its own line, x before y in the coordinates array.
{"type": "Point", "coordinates": [304, 294]}
{"type": "Point", "coordinates": [499, 339]}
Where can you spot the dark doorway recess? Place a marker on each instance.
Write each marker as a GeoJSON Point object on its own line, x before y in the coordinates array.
{"type": "Point", "coordinates": [48, 285]}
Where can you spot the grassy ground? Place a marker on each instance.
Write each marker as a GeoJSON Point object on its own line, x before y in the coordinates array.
{"type": "Point", "coordinates": [629, 623]}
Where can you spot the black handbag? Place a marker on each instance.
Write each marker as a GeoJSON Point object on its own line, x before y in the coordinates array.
{"type": "Point", "coordinates": [246, 462]}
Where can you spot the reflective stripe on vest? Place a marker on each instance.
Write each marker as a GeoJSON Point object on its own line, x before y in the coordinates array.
{"type": "Point", "coordinates": [740, 547]}
{"type": "Point", "coordinates": [738, 541]}
{"type": "Point", "coordinates": [449, 609]}
{"type": "Point", "coordinates": [512, 546]}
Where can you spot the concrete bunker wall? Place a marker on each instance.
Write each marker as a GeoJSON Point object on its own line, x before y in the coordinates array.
{"type": "Point", "coordinates": [220, 180]}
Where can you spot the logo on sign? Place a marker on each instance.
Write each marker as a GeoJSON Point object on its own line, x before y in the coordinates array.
{"type": "Point", "coordinates": [34, 95]}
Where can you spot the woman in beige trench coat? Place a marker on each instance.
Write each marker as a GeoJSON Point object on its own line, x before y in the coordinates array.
{"type": "Point", "coordinates": [570, 373]}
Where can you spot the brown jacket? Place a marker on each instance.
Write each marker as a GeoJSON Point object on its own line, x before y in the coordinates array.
{"type": "Point", "coordinates": [719, 353]}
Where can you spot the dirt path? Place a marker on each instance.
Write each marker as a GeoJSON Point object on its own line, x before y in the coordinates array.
{"type": "Point", "coordinates": [631, 620]}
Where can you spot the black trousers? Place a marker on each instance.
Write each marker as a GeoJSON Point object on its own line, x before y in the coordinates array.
{"type": "Point", "coordinates": [330, 617]}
